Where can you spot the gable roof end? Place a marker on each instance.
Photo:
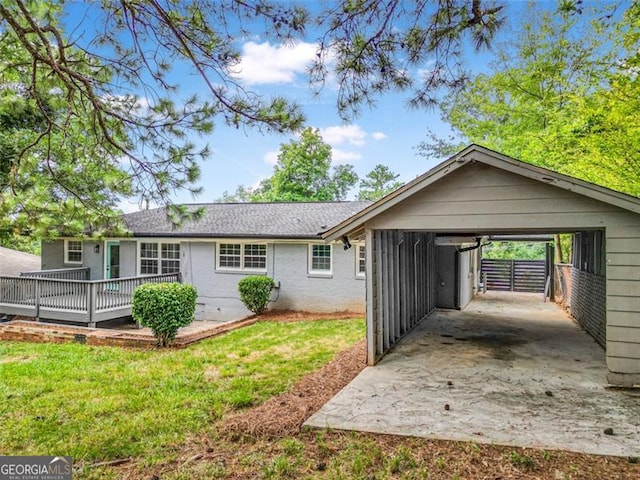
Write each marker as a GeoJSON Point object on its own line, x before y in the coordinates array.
{"type": "Point", "coordinates": [478, 154]}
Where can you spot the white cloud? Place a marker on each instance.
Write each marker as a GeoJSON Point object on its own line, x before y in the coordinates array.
{"type": "Point", "coordinates": [271, 157]}
{"type": "Point", "coordinates": [346, 134]}
{"type": "Point", "coordinates": [342, 156]}
{"type": "Point", "coordinates": [263, 63]}
{"type": "Point", "coordinates": [378, 136]}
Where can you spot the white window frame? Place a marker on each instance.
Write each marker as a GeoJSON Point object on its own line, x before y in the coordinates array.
{"type": "Point", "coordinates": [67, 250]}
{"type": "Point", "coordinates": [243, 257]}
{"type": "Point", "coordinates": [317, 272]}
{"type": "Point", "coordinates": [358, 257]}
{"type": "Point", "coordinates": [159, 258]}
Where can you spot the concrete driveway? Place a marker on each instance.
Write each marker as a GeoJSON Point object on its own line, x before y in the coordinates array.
{"type": "Point", "coordinates": [508, 370]}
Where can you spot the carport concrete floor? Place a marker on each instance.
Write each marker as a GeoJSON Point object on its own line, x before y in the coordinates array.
{"type": "Point", "coordinates": [508, 370]}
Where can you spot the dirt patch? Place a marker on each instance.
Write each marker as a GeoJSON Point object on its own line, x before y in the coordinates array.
{"type": "Point", "coordinates": [284, 414]}
{"type": "Point", "coordinates": [301, 316]}
{"type": "Point", "coordinates": [498, 345]}
{"type": "Point", "coordinates": [20, 359]}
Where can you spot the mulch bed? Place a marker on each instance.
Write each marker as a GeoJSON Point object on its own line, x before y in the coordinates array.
{"type": "Point", "coordinates": [284, 414]}
{"type": "Point", "coordinates": [302, 316]}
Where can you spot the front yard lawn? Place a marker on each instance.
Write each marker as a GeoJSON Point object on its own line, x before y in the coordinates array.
{"type": "Point", "coordinates": [164, 412]}
{"type": "Point", "coordinates": [105, 403]}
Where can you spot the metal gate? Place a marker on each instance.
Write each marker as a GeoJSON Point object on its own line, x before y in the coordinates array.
{"type": "Point", "coordinates": [514, 275]}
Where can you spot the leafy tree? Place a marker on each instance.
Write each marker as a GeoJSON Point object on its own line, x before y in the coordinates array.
{"type": "Point", "coordinates": [374, 43]}
{"type": "Point", "coordinates": [241, 195]}
{"type": "Point", "coordinates": [21, 243]}
{"type": "Point", "coordinates": [303, 172]}
{"type": "Point", "coordinates": [564, 101]}
{"type": "Point", "coordinates": [514, 251]}
{"type": "Point", "coordinates": [378, 182]}
{"type": "Point", "coordinates": [113, 124]}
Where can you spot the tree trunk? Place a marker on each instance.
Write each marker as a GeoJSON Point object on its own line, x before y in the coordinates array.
{"type": "Point", "coordinates": [558, 249]}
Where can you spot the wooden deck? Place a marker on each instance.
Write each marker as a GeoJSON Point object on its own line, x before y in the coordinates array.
{"type": "Point", "coordinates": [85, 302]}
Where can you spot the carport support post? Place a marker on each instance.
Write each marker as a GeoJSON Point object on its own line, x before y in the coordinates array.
{"type": "Point", "coordinates": [552, 270]}
{"type": "Point", "coordinates": [371, 294]}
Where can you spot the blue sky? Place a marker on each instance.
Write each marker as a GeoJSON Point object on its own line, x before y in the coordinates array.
{"type": "Point", "coordinates": [386, 134]}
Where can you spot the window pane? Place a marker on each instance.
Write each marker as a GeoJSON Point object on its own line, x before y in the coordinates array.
{"type": "Point", "coordinates": [171, 250]}
{"type": "Point", "coordinates": [74, 245]}
{"type": "Point", "coordinates": [170, 266]}
{"type": "Point", "coordinates": [148, 267]}
{"type": "Point", "coordinates": [255, 256]}
{"type": "Point", "coordinates": [321, 257]}
{"type": "Point", "coordinates": [148, 250]}
{"type": "Point", "coordinates": [229, 249]}
{"type": "Point", "coordinates": [170, 254]}
{"type": "Point", "coordinates": [74, 256]}
{"type": "Point", "coordinates": [361, 259]}
{"type": "Point", "coordinates": [74, 251]}
{"type": "Point", "coordinates": [230, 255]}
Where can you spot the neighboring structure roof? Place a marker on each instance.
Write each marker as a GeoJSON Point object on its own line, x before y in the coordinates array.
{"type": "Point", "coordinates": [478, 154]}
{"type": "Point", "coordinates": [14, 262]}
{"type": "Point", "coordinates": [239, 220]}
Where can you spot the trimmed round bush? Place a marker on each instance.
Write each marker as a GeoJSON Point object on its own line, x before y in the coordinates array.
{"type": "Point", "coordinates": [164, 308]}
{"type": "Point", "coordinates": [255, 292]}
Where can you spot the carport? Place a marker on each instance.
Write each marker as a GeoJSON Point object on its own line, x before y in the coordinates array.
{"type": "Point", "coordinates": [421, 237]}
{"type": "Point", "coordinates": [508, 369]}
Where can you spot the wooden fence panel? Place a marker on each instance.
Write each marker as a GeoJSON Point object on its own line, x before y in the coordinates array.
{"type": "Point", "coordinates": [514, 275]}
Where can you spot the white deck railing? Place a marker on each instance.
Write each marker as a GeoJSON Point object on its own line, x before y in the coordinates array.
{"type": "Point", "coordinates": [81, 300]}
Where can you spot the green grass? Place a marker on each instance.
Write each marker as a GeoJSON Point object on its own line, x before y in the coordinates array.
{"type": "Point", "coordinates": [102, 403]}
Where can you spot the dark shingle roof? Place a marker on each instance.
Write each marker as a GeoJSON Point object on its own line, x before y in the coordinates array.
{"type": "Point", "coordinates": [266, 220]}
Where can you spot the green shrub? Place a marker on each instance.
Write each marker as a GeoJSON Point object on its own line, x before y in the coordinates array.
{"type": "Point", "coordinates": [255, 292]}
{"type": "Point", "coordinates": [164, 308]}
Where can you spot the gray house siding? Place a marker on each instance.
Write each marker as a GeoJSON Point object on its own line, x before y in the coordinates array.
{"type": "Point", "coordinates": [128, 258]}
{"type": "Point", "coordinates": [52, 254]}
{"type": "Point", "coordinates": [301, 291]}
{"type": "Point", "coordinates": [218, 297]}
{"type": "Point", "coordinates": [287, 264]}
{"type": "Point", "coordinates": [53, 257]}
{"type": "Point", "coordinates": [623, 299]}
{"type": "Point", "coordinates": [481, 198]}
{"type": "Point", "coordinates": [93, 260]}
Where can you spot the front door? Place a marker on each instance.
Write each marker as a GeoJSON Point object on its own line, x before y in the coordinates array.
{"type": "Point", "coordinates": [113, 260]}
